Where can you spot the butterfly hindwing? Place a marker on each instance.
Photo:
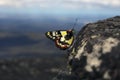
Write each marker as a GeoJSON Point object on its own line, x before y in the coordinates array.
{"type": "Point", "coordinates": [63, 38]}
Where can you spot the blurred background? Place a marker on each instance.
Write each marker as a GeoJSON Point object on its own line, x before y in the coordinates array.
{"type": "Point", "coordinates": [22, 27]}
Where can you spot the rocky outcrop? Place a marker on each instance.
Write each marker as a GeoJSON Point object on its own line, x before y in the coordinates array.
{"type": "Point", "coordinates": [95, 54]}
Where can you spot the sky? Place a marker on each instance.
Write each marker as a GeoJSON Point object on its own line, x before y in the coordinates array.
{"type": "Point", "coordinates": [61, 8]}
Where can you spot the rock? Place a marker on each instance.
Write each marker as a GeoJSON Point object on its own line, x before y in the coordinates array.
{"type": "Point", "coordinates": [95, 54]}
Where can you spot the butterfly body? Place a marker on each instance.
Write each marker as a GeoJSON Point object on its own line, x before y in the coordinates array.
{"type": "Point", "coordinates": [62, 38]}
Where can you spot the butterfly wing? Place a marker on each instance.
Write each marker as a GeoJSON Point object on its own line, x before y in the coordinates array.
{"type": "Point", "coordinates": [66, 40]}
{"type": "Point", "coordinates": [63, 38]}
{"type": "Point", "coordinates": [52, 35]}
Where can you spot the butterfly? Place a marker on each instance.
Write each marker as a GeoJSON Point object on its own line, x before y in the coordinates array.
{"type": "Point", "coordinates": [63, 38]}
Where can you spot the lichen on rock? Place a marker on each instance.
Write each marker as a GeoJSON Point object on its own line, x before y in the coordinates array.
{"type": "Point", "coordinates": [95, 54]}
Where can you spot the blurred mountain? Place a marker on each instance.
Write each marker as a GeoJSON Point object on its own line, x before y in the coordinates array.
{"type": "Point", "coordinates": [25, 36]}
{"type": "Point", "coordinates": [42, 25]}
{"type": "Point", "coordinates": [24, 43]}
{"type": "Point", "coordinates": [20, 25]}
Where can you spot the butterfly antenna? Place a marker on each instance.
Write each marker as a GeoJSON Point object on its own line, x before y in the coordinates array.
{"type": "Point", "coordinates": [75, 23]}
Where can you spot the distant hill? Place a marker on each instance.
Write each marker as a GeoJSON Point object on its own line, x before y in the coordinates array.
{"type": "Point", "coordinates": [14, 43]}
{"type": "Point", "coordinates": [37, 25]}
{"type": "Point", "coordinates": [26, 36]}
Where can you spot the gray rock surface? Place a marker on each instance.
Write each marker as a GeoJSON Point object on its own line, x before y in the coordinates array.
{"type": "Point", "coordinates": [95, 54]}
